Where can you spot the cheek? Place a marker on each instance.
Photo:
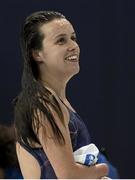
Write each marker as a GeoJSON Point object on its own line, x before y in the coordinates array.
{"type": "Point", "coordinates": [57, 54]}
{"type": "Point", "coordinates": [52, 59]}
{"type": "Point", "coordinates": [54, 55]}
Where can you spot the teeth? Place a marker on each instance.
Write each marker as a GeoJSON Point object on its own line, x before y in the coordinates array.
{"type": "Point", "coordinates": [70, 58]}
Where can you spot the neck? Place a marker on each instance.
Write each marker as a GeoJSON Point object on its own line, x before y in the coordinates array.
{"type": "Point", "coordinates": [58, 86]}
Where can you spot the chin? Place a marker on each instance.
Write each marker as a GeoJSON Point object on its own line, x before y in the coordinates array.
{"type": "Point", "coordinates": [76, 70]}
{"type": "Point", "coordinates": [73, 73]}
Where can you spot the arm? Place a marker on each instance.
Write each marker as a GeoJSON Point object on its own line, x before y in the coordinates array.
{"type": "Point", "coordinates": [63, 161]}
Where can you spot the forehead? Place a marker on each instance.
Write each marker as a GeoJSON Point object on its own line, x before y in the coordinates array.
{"type": "Point", "coordinates": [57, 27]}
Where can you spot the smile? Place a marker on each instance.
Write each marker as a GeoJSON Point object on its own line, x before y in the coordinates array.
{"type": "Point", "coordinates": [73, 58]}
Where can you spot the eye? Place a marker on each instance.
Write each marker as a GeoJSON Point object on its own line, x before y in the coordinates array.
{"type": "Point", "coordinates": [61, 40]}
{"type": "Point", "coordinates": [74, 38]}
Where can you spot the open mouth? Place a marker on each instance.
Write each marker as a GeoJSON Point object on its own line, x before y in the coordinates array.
{"type": "Point", "coordinates": [73, 58]}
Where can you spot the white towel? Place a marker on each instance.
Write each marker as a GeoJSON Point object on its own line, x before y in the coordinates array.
{"type": "Point", "coordinates": [87, 155]}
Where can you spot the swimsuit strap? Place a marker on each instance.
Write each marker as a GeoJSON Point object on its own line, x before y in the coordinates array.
{"type": "Point", "coordinates": [39, 158]}
{"type": "Point", "coordinates": [70, 111]}
{"type": "Point", "coordinates": [32, 151]}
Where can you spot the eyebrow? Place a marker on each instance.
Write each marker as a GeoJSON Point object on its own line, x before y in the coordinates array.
{"type": "Point", "coordinates": [61, 35]}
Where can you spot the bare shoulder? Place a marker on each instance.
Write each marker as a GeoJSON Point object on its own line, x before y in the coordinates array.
{"type": "Point", "coordinates": [25, 160]}
{"type": "Point", "coordinates": [60, 156]}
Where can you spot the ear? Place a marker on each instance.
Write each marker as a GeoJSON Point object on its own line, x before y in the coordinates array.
{"type": "Point", "coordinates": [37, 56]}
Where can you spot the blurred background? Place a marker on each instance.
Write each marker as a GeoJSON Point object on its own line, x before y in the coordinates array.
{"type": "Point", "coordinates": [103, 91]}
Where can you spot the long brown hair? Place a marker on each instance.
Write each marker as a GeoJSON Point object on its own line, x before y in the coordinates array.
{"type": "Point", "coordinates": [33, 97]}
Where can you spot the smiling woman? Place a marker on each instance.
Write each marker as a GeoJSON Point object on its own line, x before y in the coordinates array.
{"type": "Point", "coordinates": [60, 39]}
{"type": "Point", "coordinates": [48, 128]}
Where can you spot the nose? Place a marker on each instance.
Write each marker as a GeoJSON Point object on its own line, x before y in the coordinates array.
{"type": "Point", "coordinates": [73, 46]}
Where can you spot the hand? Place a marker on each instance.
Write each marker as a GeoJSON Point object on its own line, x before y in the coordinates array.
{"type": "Point", "coordinates": [101, 170]}
{"type": "Point", "coordinates": [92, 172]}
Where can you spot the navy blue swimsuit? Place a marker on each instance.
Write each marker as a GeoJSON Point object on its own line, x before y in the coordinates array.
{"type": "Point", "coordinates": [79, 137]}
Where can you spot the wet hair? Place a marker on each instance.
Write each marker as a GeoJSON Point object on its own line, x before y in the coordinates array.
{"type": "Point", "coordinates": [34, 98]}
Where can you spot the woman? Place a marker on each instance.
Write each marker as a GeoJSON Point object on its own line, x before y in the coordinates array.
{"type": "Point", "coordinates": [48, 128]}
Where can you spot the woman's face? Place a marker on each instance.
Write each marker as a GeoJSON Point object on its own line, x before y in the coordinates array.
{"type": "Point", "coordinates": [60, 52]}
